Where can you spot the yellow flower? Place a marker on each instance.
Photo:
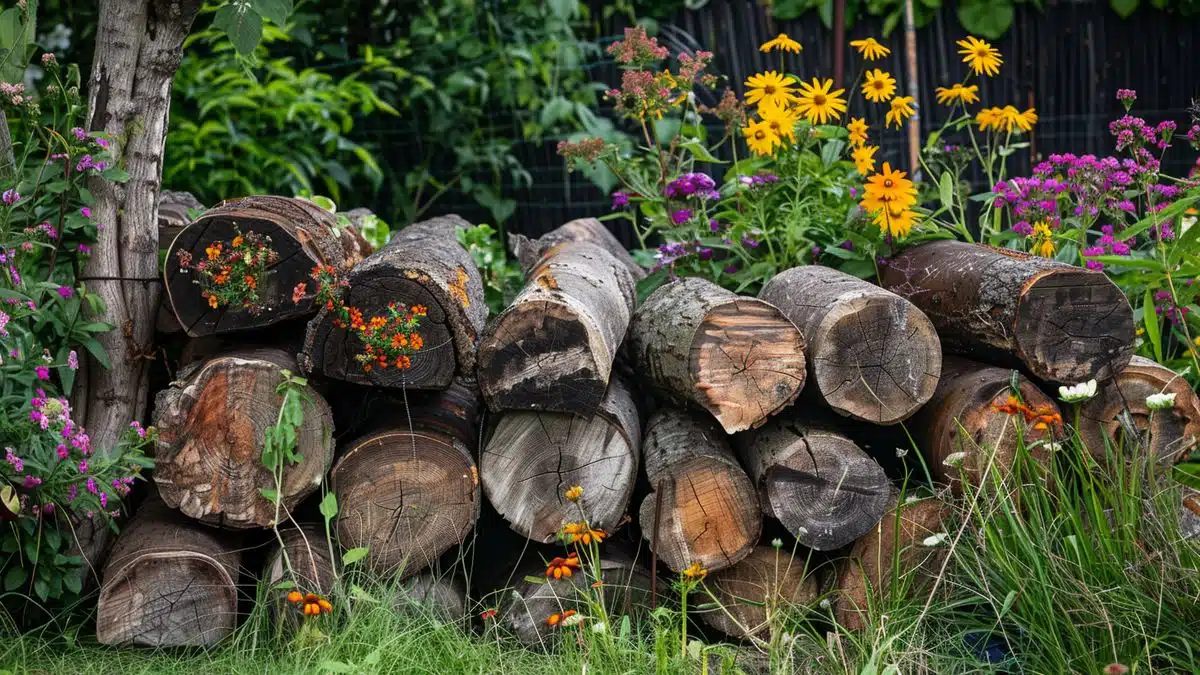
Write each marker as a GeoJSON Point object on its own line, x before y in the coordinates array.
{"type": "Point", "coordinates": [895, 220]}
{"type": "Point", "coordinates": [1021, 120]}
{"type": "Point", "coordinates": [213, 250]}
{"type": "Point", "coordinates": [818, 104]}
{"type": "Point", "coordinates": [782, 43]}
{"type": "Point", "coordinates": [760, 139]}
{"type": "Point", "coordinates": [990, 119]}
{"type": "Point", "coordinates": [864, 158]}
{"type": "Point", "coordinates": [574, 492]}
{"type": "Point", "coordinates": [870, 49]}
{"type": "Point", "coordinates": [983, 58]}
{"type": "Point", "coordinates": [879, 86]}
{"type": "Point", "coordinates": [1044, 245]}
{"type": "Point", "coordinates": [770, 86]}
{"type": "Point", "coordinates": [695, 571]}
{"type": "Point", "coordinates": [901, 110]}
{"type": "Point", "coordinates": [582, 532]}
{"type": "Point", "coordinates": [958, 93]}
{"type": "Point", "coordinates": [888, 187]}
{"type": "Point", "coordinates": [858, 131]}
{"type": "Point", "coordinates": [781, 120]}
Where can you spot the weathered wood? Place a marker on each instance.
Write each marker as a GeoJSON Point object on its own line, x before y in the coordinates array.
{"type": "Point", "coordinates": [303, 235]}
{"type": "Point", "coordinates": [1171, 434]}
{"type": "Point", "coordinates": [1059, 322]}
{"type": "Point", "coordinates": [423, 264]}
{"type": "Point", "coordinates": [170, 582]}
{"type": "Point", "coordinates": [553, 348]}
{"type": "Point", "coordinates": [307, 565]}
{"type": "Point", "coordinates": [589, 230]}
{"type": "Point", "coordinates": [871, 355]}
{"type": "Point", "coordinates": [1189, 514]}
{"type": "Point", "coordinates": [739, 358]}
{"type": "Point", "coordinates": [356, 247]}
{"type": "Point", "coordinates": [766, 580]}
{"type": "Point", "coordinates": [967, 418]}
{"type": "Point", "coordinates": [212, 422]}
{"type": "Point", "coordinates": [532, 458]}
{"type": "Point", "coordinates": [173, 210]}
{"type": "Point", "coordinates": [408, 493]}
{"type": "Point", "coordinates": [431, 594]}
{"type": "Point", "coordinates": [865, 578]}
{"type": "Point", "coordinates": [710, 512]}
{"type": "Point", "coordinates": [824, 489]}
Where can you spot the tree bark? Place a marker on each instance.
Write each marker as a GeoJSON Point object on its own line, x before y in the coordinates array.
{"type": "Point", "coordinates": [824, 489]}
{"type": "Point", "coordinates": [1189, 514]}
{"type": "Point", "coordinates": [1058, 322]}
{"type": "Point", "coordinates": [303, 234]}
{"type": "Point", "coordinates": [170, 582]}
{"type": "Point", "coordinates": [554, 347]}
{"type": "Point", "coordinates": [532, 458]}
{"type": "Point", "coordinates": [710, 512]}
{"type": "Point", "coordinates": [409, 493]}
{"type": "Point", "coordinates": [307, 565]}
{"type": "Point", "coordinates": [138, 48]}
{"type": "Point", "coordinates": [429, 594]}
{"type": "Point", "coordinates": [528, 252]}
{"type": "Point", "coordinates": [872, 355]}
{"type": "Point", "coordinates": [1169, 435]}
{"type": "Point", "coordinates": [212, 423]}
{"type": "Point", "coordinates": [766, 579]}
{"type": "Point", "coordinates": [966, 415]}
{"type": "Point", "coordinates": [738, 358]}
{"type": "Point", "coordinates": [423, 264]}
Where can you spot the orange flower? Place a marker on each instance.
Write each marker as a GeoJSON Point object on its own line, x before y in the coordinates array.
{"type": "Point", "coordinates": [1012, 406]}
{"type": "Point", "coordinates": [419, 310]}
{"type": "Point", "coordinates": [403, 363]}
{"type": "Point", "coordinates": [294, 597]}
{"type": "Point", "coordinates": [212, 301]}
{"type": "Point", "coordinates": [695, 571]}
{"type": "Point", "coordinates": [250, 281]}
{"type": "Point", "coordinates": [563, 567]}
{"type": "Point", "coordinates": [237, 241]}
{"type": "Point", "coordinates": [213, 250]}
{"type": "Point", "coordinates": [416, 341]}
{"type": "Point", "coordinates": [582, 532]}
{"type": "Point", "coordinates": [555, 619]}
{"type": "Point", "coordinates": [312, 604]}
{"type": "Point", "coordinates": [574, 493]}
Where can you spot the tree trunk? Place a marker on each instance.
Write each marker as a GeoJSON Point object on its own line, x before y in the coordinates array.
{"type": "Point", "coordinates": [138, 48]}
{"type": "Point", "coordinates": [739, 358]}
{"type": "Point", "coordinates": [590, 230]}
{"type": "Point", "coordinates": [1171, 434]}
{"type": "Point", "coordinates": [765, 580]}
{"type": "Point", "coordinates": [554, 347]}
{"type": "Point", "coordinates": [303, 234]}
{"type": "Point", "coordinates": [1059, 322]}
{"type": "Point", "coordinates": [824, 489]}
{"type": "Point", "coordinates": [865, 578]}
{"type": "Point", "coordinates": [212, 423]}
{"type": "Point", "coordinates": [409, 493]}
{"type": "Point", "coordinates": [170, 582]}
{"type": "Point", "coordinates": [423, 264]}
{"type": "Point", "coordinates": [871, 354]}
{"type": "Point", "coordinates": [967, 419]}
{"type": "Point", "coordinates": [709, 510]}
{"type": "Point", "coordinates": [532, 458]}
{"type": "Point", "coordinates": [307, 565]}
{"type": "Point", "coordinates": [428, 594]}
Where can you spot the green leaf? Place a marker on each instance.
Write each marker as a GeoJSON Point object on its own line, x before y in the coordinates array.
{"type": "Point", "coordinates": [242, 24]}
{"type": "Point", "coordinates": [277, 11]}
{"type": "Point", "coordinates": [41, 588]}
{"type": "Point", "coordinates": [15, 577]}
{"type": "Point", "coordinates": [946, 189]}
{"type": "Point", "coordinates": [74, 582]}
{"type": "Point", "coordinates": [354, 555]}
{"type": "Point", "coordinates": [269, 495]}
{"type": "Point", "coordinates": [989, 18]}
{"type": "Point", "coordinates": [329, 506]}
{"type": "Point", "coordinates": [555, 110]}
{"type": "Point", "coordinates": [696, 147]}
{"type": "Point", "coordinates": [831, 152]}
{"type": "Point", "coordinates": [651, 283]}
{"type": "Point", "coordinates": [535, 580]}
{"type": "Point", "coordinates": [1150, 319]}
{"type": "Point", "coordinates": [564, 9]}
{"type": "Point", "coordinates": [1124, 8]}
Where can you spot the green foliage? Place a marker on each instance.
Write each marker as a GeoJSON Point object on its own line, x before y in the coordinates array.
{"type": "Point", "coordinates": [279, 441]}
{"type": "Point", "coordinates": [502, 278]}
{"type": "Point", "coordinates": [18, 31]}
{"type": "Point", "coordinates": [242, 21]}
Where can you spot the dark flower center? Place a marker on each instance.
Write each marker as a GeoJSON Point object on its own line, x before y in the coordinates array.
{"type": "Point", "coordinates": [887, 183]}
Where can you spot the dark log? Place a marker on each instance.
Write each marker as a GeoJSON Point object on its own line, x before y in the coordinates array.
{"type": "Point", "coordinates": [173, 210]}
{"type": "Point", "coordinates": [1171, 434]}
{"type": "Point", "coordinates": [423, 264]}
{"type": "Point", "coordinates": [871, 355]}
{"type": "Point", "coordinates": [170, 582]}
{"type": "Point", "coordinates": [824, 489]}
{"type": "Point", "coordinates": [357, 248]}
{"type": "Point", "coordinates": [710, 512]}
{"type": "Point", "coordinates": [1189, 514]}
{"type": "Point", "coordinates": [212, 422]}
{"type": "Point", "coordinates": [739, 358]}
{"type": "Point", "coordinates": [865, 577]}
{"type": "Point", "coordinates": [307, 565]}
{"type": "Point", "coordinates": [409, 493]}
{"type": "Point", "coordinates": [432, 595]}
{"type": "Point", "coordinates": [589, 230]}
{"type": "Point", "coordinates": [553, 348]}
{"type": "Point", "coordinates": [532, 458]}
{"type": "Point", "coordinates": [968, 418]}
{"type": "Point", "coordinates": [766, 580]}
{"type": "Point", "coordinates": [303, 234]}
{"type": "Point", "coordinates": [1059, 322]}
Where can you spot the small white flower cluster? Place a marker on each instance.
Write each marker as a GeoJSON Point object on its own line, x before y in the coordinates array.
{"type": "Point", "coordinates": [936, 539]}
{"type": "Point", "coordinates": [1078, 393]}
{"type": "Point", "coordinates": [1160, 401]}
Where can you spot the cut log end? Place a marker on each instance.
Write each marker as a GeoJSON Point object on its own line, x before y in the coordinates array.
{"type": "Point", "coordinates": [765, 580]}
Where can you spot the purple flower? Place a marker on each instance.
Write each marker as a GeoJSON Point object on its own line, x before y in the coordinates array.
{"type": "Point", "coordinates": [706, 253]}
{"type": "Point", "coordinates": [692, 184]}
{"type": "Point", "coordinates": [91, 485]}
{"type": "Point", "coordinates": [4, 318]}
{"type": "Point", "coordinates": [83, 467]}
{"type": "Point", "coordinates": [619, 200]}
{"type": "Point", "coordinates": [31, 482]}
{"type": "Point", "coordinates": [714, 226]}
{"type": "Point", "coordinates": [1095, 265]}
{"type": "Point", "coordinates": [63, 452]}
{"type": "Point", "coordinates": [65, 291]}
{"type": "Point", "coordinates": [104, 499]}
{"type": "Point", "coordinates": [84, 249]}
{"type": "Point", "coordinates": [137, 427]}
{"type": "Point", "coordinates": [73, 360]}
{"type": "Point", "coordinates": [86, 212]}
{"type": "Point", "coordinates": [79, 133]}
{"type": "Point", "coordinates": [731, 269]}
{"type": "Point", "coordinates": [16, 462]}
{"type": "Point", "coordinates": [11, 197]}
{"type": "Point", "coordinates": [102, 142]}
{"type": "Point", "coordinates": [749, 242]}
{"type": "Point", "coordinates": [848, 245]}
{"type": "Point", "coordinates": [1126, 96]}
{"type": "Point", "coordinates": [816, 252]}
{"type": "Point", "coordinates": [681, 216]}
{"type": "Point", "coordinates": [72, 493]}
{"type": "Point", "coordinates": [43, 372]}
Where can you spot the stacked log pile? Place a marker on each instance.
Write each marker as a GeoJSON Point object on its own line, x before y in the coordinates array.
{"type": "Point", "coordinates": [698, 418]}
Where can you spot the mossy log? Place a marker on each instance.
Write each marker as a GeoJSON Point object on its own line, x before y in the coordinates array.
{"type": "Point", "coordinates": [738, 358]}
{"type": "Point", "coordinates": [1059, 322]}
{"type": "Point", "coordinates": [767, 578]}
{"type": "Point", "coordinates": [871, 354]}
{"type": "Point", "coordinates": [212, 422]}
{"type": "Point", "coordinates": [423, 264]}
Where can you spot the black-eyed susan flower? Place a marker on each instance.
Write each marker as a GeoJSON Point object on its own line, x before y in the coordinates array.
{"type": "Point", "coordinates": [870, 48]}
{"type": "Point", "coordinates": [760, 138]}
{"type": "Point", "coordinates": [858, 131]}
{"type": "Point", "coordinates": [695, 571]}
{"type": "Point", "coordinates": [982, 57]}
{"type": "Point", "coordinates": [560, 567]}
{"type": "Point", "coordinates": [901, 110]}
{"type": "Point", "coordinates": [581, 532]}
{"type": "Point", "coordinates": [574, 493]}
{"type": "Point", "coordinates": [990, 119]}
{"type": "Point", "coordinates": [781, 43]}
{"type": "Point", "coordinates": [770, 86]}
{"type": "Point", "coordinates": [879, 86]}
{"type": "Point", "coordinates": [864, 159]}
{"type": "Point", "coordinates": [781, 120]}
{"type": "Point", "coordinates": [818, 104]}
{"type": "Point", "coordinates": [895, 220]}
{"type": "Point", "coordinates": [889, 186]}
{"type": "Point", "coordinates": [1015, 119]}
{"type": "Point", "coordinates": [959, 92]}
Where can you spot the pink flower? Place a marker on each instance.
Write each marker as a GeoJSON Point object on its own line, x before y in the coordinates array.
{"type": "Point", "coordinates": [86, 212]}
{"type": "Point", "coordinates": [65, 291]}
{"type": "Point", "coordinates": [43, 372]}
{"type": "Point", "coordinates": [91, 485]}
{"type": "Point", "coordinates": [83, 467]}
{"type": "Point", "coordinates": [73, 360]}
{"type": "Point", "coordinates": [63, 452]}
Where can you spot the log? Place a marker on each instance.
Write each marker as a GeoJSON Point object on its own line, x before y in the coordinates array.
{"type": "Point", "coordinates": [709, 509]}
{"type": "Point", "coordinates": [529, 251]}
{"type": "Point", "coordinates": [871, 355]}
{"type": "Point", "coordinates": [553, 348]}
{"type": "Point", "coordinates": [1189, 514]}
{"type": "Point", "coordinates": [532, 458]}
{"type": "Point", "coordinates": [765, 580]}
{"type": "Point", "coordinates": [1058, 322]}
{"type": "Point", "coordinates": [356, 247]}
{"type": "Point", "coordinates": [865, 577]}
{"type": "Point", "coordinates": [170, 582]}
{"type": "Point", "coordinates": [739, 358]}
{"type": "Point", "coordinates": [1171, 434]}
{"type": "Point", "coordinates": [212, 422]}
{"type": "Point", "coordinates": [423, 264]}
{"type": "Point", "coordinates": [973, 398]}
{"type": "Point", "coordinates": [824, 489]}
{"type": "Point", "coordinates": [173, 210]}
{"type": "Point", "coordinates": [431, 595]}
{"type": "Point", "coordinates": [410, 493]}
{"type": "Point", "coordinates": [302, 234]}
{"type": "Point", "coordinates": [307, 566]}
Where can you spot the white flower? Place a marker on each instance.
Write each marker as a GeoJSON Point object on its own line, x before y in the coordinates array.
{"type": "Point", "coordinates": [1185, 223]}
{"type": "Point", "coordinates": [911, 498]}
{"type": "Point", "coordinates": [954, 459]}
{"type": "Point", "coordinates": [901, 452]}
{"type": "Point", "coordinates": [802, 531]}
{"type": "Point", "coordinates": [1160, 401]}
{"type": "Point", "coordinates": [825, 604]}
{"type": "Point", "coordinates": [1079, 392]}
{"type": "Point", "coordinates": [598, 627]}
{"type": "Point", "coordinates": [936, 539]}
{"type": "Point", "coordinates": [573, 620]}
{"type": "Point", "coordinates": [777, 543]}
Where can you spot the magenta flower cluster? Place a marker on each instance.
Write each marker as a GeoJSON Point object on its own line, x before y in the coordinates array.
{"type": "Point", "coordinates": [1134, 132]}
{"type": "Point", "coordinates": [758, 180]}
{"type": "Point", "coordinates": [697, 185]}
{"type": "Point", "coordinates": [1106, 244]}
